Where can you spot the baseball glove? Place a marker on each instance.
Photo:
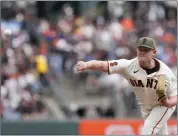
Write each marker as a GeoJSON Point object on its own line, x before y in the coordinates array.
{"type": "Point", "coordinates": [160, 89]}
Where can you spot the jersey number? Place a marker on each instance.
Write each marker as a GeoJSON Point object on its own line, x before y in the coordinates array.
{"type": "Point", "coordinates": [113, 64]}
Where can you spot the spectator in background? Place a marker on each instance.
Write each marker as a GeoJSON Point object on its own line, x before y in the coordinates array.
{"type": "Point", "coordinates": [41, 65]}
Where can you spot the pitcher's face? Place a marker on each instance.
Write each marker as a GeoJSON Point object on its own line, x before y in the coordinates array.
{"type": "Point", "coordinates": [145, 54]}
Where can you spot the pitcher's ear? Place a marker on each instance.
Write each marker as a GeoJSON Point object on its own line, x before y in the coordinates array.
{"type": "Point", "coordinates": [154, 53]}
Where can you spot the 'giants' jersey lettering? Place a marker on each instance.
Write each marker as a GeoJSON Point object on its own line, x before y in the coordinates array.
{"type": "Point", "coordinates": [151, 83]}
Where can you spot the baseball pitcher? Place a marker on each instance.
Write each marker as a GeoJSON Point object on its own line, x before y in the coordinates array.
{"type": "Point", "coordinates": [153, 82]}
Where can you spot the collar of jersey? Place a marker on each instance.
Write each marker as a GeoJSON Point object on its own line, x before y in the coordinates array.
{"type": "Point", "coordinates": [152, 74]}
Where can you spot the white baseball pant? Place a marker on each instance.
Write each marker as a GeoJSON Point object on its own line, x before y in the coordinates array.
{"type": "Point", "coordinates": [156, 121]}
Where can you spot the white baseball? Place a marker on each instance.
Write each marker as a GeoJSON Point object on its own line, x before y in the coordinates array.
{"type": "Point", "coordinates": [7, 32]}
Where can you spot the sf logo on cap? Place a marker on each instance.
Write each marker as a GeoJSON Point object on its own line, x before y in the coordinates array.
{"type": "Point", "coordinates": [144, 40]}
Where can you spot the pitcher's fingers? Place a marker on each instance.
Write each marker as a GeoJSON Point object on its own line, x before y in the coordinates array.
{"type": "Point", "coordinates": [79, 62]}
{"type": "Point", "coordinates": [79, 69]}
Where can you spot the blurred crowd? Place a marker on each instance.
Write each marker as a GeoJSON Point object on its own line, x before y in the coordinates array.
{"type": "Point", "coordinates": [23, 71]}
{"type": "Point", "coordinates": [40, 49]}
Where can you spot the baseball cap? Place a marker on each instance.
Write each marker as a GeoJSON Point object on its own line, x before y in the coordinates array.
{"type": "Point", "coordinates": [146, 42]}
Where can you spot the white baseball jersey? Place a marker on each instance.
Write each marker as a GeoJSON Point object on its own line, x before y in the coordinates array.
{"type": "Point", "coordinates": [144, 85]}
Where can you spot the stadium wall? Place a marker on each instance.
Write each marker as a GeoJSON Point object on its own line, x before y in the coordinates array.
{"type": "Point", "coordinates": [84, 127]}
{"type": "Point", "coordinates": [39, 128]}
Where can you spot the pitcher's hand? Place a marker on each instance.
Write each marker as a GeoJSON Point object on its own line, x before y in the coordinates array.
{"type": "Point", "coordinates": [81, 66]}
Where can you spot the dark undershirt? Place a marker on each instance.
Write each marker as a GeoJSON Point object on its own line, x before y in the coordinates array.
{"type": "Point", "coordinates": [155, 69]}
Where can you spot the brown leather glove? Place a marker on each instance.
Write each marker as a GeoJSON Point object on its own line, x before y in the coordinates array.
{"type": "Point", "coordinates": [160, 89]}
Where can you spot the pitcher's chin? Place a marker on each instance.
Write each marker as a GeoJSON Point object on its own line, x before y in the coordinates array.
{"type": "Point", "coordinates": [142, 59]}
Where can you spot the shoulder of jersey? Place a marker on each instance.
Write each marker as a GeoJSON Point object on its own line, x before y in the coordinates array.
{"type": "Point", "coordinates": [164, 68]}
{"type": "Point", "coordinates": [134, 60]}
{"type": "Point", "coordinates": [131, 62]}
